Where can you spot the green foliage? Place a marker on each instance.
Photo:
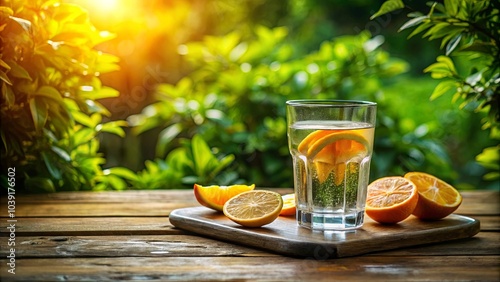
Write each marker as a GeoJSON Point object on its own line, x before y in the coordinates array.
{"type": "Point", "coordinates": [49, 71]}
{"type": "Point", "coordinates": [469, 31]}
{"type": "Point", "coordinates": [193, 162]}
{"type": "Point", "coordinates": [235, 98]}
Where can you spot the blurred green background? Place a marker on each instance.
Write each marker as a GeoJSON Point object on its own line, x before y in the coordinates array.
{"type": "Point", "coordinates": [203, 84]}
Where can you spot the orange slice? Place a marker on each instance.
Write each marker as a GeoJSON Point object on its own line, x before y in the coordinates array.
{"type": "Point", "coordinates": [288, 205]}
{"type": "Point", "coordinates": [437, 200]}
{"type": "Point", "coordinates": [331, 149]}
{"type": "Point", "coordinates": [391, 199]}
{"type": "Point", "coordinates": [254, 208]}
{"type": "Point", "coordinates": [215, 196]}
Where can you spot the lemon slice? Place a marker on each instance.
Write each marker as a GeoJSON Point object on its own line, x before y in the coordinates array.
{"type": "Point", "coordinates": [254, 208]}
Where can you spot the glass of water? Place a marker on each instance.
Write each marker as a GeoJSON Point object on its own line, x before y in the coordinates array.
{"type": "Point", "coordinates": [331, 143]}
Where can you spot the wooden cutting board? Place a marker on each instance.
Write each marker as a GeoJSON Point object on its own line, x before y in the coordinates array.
{"type": "Point", "coordinates": [284, 236]}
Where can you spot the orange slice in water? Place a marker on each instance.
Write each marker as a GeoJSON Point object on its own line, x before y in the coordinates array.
{"type": "Point", "coordinates": [215, 196]}
{"type": "Point", "coordinates": [437, 199]}
{"type": "Point", "coordinates": [331, 149]}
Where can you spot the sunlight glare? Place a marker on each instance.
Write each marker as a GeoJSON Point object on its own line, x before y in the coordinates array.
{"type": "Point", "coordinates": [108, 5]}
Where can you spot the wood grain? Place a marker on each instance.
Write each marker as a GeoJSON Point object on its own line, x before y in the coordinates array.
{"type": "Point", "coordinates": [197, 246]}
{"type": "Point", "coordinates": [50, 226]}
{"type": "Point", "coordinates": [92, 226]}
{"type": "Point", "coordinates": [161, 203]}
{"type": "Point", "coordinates": [95, 209]}
{"type": "Point", "coordinates": [128, 236]}
{"type": "Point", "coordinates": [365, 268]}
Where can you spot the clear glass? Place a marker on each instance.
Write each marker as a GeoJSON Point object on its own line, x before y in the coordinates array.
{"type": "Point", "coordinates": [331, 143]}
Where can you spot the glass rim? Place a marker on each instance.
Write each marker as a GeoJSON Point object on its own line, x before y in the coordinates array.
{"type": "Point", "coordinates": [329, 103]}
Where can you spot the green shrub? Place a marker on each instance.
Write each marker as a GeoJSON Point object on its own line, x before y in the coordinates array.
{"type": "Point", "coordinates": [234, 98]}
{"type": "Point", "coordinates": [469, 32]}
{"type": "Point", "coordinates": [49, 70]}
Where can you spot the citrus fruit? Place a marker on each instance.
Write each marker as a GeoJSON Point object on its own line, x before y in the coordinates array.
{"type": "Point", "coordinates": [254, 208]}
{"type": "Point", "coordinates": [331, 149]}
{"type": "Point", "coordinates": [437, 199]}
{"type": "Point", "coordinates": [288, 205]}
{"type": "Point", "coordinates": [215, 196]}
{"type": "Point", "coordinates": [391, 199]}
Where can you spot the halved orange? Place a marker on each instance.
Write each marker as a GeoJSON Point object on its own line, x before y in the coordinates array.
{"type": "Point", "coordinates": [391, 199]}
{"type": "Point", "coordinates": [254, 208]}
{"type": "Point", "coordinates": [215, 196]}
{"type": "Point", "coordinates": [288, 205]}
{"type": "Point", "coordinates": [437, 200]}
{"type": "Point", "coordinates": [331, 149]}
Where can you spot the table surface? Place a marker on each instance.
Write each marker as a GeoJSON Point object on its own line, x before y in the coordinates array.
{"type": "Point", "coordinates": [105, 236]}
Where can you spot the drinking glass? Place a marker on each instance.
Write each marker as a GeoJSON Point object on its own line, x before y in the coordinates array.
{"type": "Point", "coordinates": [331, 143]}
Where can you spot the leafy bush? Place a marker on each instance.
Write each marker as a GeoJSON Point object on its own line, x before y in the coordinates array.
{"type": "Point", "coordinates": [192, 162]}
{"type": "Point", "coordinates": [469, 31]}
{"type": "Point", "coordinates": [235, 100]}
{"type": "Point", "coordinates": [49, 70]}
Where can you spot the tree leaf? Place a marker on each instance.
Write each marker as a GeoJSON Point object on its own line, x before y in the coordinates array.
{"type": "Point", "coordinates": [474, 78]}
{"type": "Point", "coordinates": [113, 127]}
{"type": "Point", "coordinates": [4, 64]}
{"type": "Point", "coordinates": [121, 172]}
{"type": "Point", "coordinates": [166, 136]}
{"type": "Point", "coordinates": [222, 164]}
{"type": "Point", "coordinates": [387, 7]}
{"type": "Point", "coordinates": [103, 92]}
{"type": "Point", "coordinates": [49, 92]}
{"type": "Point", "coordinates": [18, 71]}
{"type": "Point", "coordinates": [202, 155]}
{"type": "Point", "coordinates": [40, 184]}
{"type": "Point", "coordinates": [61, 153]}
{"type": "Point", "coordinates": [5, 78]}
{"type": "Point", "coordinates": [453, 44]}
{"type": "Point", "coordinates": [8, 95]}
{"type": "Point", "coordinates": [442, 88]}
{"type": "Point", "coordinates": [423, 26]}
{"type": "Point", "coordinates": [433, 31]}
{"type": "Point", "coordinates": [413, 22]}
{"type": "Point", "coordinates": [25, 24]}
{"type": "Point", "coordinates": [443, 63]}
{"type": "Point", "coordinates": [116, 182]}
{"type": "Point", "coordinates": [39, 112]}
{"type": "Point", "coordinates": [83, 119]}
{"type": "Point", "coordinates": [451, 7]}
{"type": "Point", "coordinates": [6, 10]}
{"type": "Point", "coordinates": [52, 168]}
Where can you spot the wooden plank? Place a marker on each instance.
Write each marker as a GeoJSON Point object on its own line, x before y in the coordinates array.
{"type": "Point", "coordinates": [131, 196]}
{"type": "Point", "coordinates": [480, 203]}
{"type": "Point", "coordinates": [161, 203]}
{"type": "Point", "coordinates": [95, 209]}
{"type": "Point", "coordinates": [483, 244]}
{"type": "Point", "coordinates": [89, 226]}
{"type": "Point", "coordinates": [284, 235]}
{"type": "Point", "coordinates": [50, 226]}
{"type": "Point", "coordinates": [366, 268]}
{"type": "Point", "coordinates": [127, 246]}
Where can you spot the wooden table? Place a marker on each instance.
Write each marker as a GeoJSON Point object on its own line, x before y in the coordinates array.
{"type": "Point", "coordinates": [126, 235]}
